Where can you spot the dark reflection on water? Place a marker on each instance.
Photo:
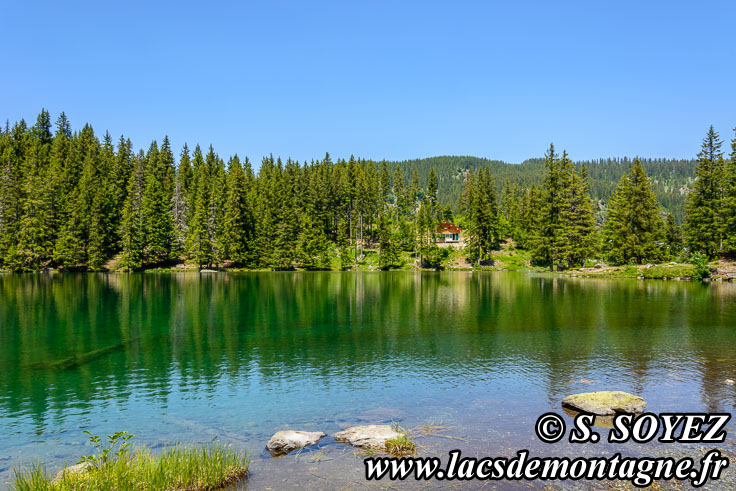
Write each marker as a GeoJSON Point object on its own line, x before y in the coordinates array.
{"type": "Point", "coordinates": [195, 357]}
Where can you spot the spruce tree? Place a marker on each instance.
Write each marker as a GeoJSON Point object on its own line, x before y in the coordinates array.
{"type": "Point", "coordinates": [11, 188]}
{"type": "Point", "coordinates": [482, 234]}
{"type": "Point", "coordinates": [74, 239]}
{"type": "Point", "coordinates": [673, 236]}
{"type": "Point", "coordinates": [132, 226]}
{"type": "Point", "coordinates": [157, 199]}
{"type": "Point", "coordinates": [633, 230]}
{"type": "Point", "coordinates": [578, 238]}
{"type": "Point", "coordinates": [180, 203]}
{"type": "Point", "coordinates": [34, 244]}
{"type": "Point", "coordinates": [238, 221]}
{"type": "Point", "coordinates": [548, 241]}
{"type": "Point", "coordinates": [703, 215]}
{"type": "Point", "coordinates": [343, 243]}
{"type": "Point", "coordinates": [199, 248]}
{"type": "Point", "coordinates": [312, 246]}
{"type": "Point", "coordinates": [728, 208]}
{"type": "Point", "coordinates": [388, 252]}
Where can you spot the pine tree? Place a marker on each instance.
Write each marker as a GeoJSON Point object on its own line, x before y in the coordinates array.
{"type": "Point", "coordinates": [633, 231]}
{"type": "Point", "coordinates": [400, 192]}
{"type": "Point", "coordinates": [426, 229]}
{"type": "Point", "coordinates": [199, 247]}
{"type": "Point", "coordinates": [180, 203]}
{"type": "Point", "coordinates": [132, 226]}
{"type": "Point", "coordinates": [703, 216]}
{"type": "Point", "coordinates": [729, 200]}
{"type": "Point", "coordinates": [481, 210]}
{"type": "Point", "coordinates": [157, 199]}
{"type": "Point", "coordinates": [388, 252]}
{"type": "Point", "coordinates": [118, 188]}
{"type": "Point", "coordinates": [238, 221]}
{"type": "Point", "coordinates": [549, 242]}
{"type": "Point", "coordinates": [104, 219]}
{"type": "Point", "coordinates": [313, 246]}
{"type": "Point", "coordinates": [346, 255]}
{"type": "Point", "coordinates": [35, 231]}
{"type": "Point", "coordinates": [11, 189]}
{"type": "Point", "coordinates": [578, 238]}
{"type": "Point", "coordinates": [673, 236]}
{"type": "Point", "coordinates": [385, 182]}
{"type": "Point", "coordinates": [432, 194]}
{"type": "Point", "coordinates": [78, 230]}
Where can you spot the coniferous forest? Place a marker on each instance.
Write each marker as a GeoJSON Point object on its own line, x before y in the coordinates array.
{"type": "Point", "coordinates": [75, 201]}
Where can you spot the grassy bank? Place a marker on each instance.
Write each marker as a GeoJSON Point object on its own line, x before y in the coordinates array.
{"type": "Point", "coordinates": [179, 467]}
{"type": "Point", "coordinates": [654, 271]}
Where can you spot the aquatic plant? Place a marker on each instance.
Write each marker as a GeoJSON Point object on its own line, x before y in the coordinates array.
{"type": "Point", "coordinates": [401, 446]}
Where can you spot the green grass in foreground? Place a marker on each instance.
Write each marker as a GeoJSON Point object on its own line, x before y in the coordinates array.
{"type": "Point", "coordinates": [180, 467]}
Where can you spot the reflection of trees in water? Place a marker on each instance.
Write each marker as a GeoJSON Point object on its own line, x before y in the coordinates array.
{"type": "Point", "coordinates": [192, 332]}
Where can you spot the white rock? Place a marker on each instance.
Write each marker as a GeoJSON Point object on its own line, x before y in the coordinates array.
{"type": "Point", "coordinates": [368, 436]}
{"type": "Point", "coordinates": [730, 382]}
{"type": "Point", "coordinates": [288, 440]}
{"type": "Point", "coordinates": [74, 469]}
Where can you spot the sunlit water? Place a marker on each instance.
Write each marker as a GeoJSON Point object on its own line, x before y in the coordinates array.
{"type": "Point", "coordinates": [235, 357]}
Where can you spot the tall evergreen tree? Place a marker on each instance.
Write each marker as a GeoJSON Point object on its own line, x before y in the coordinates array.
{"type": "Point", "coordinates": [180, 203]}
{"type": "Point", "coordinates": [238, 224]}
{"type": "Point", "coordinates": [132, 226]}
{"type": "Point", "coordinates": [481, 210]}
{"type": "Point", "coordinates": [11, 188]}
{"type": "Point", "coordinates": [728, 208]}
{"type": "Point", "coordinates": [578, 237]}
{"type": "Point", "coordinates": [313, 246]}
{"type": "Point", "coordinates": [388, 252]}
{"type": "Point", "coordinates": [34, 244]}
{"type": "Point", "coordinates": [703, 216]}
{"type": "Point", "coordinates": [549, 227]}
{"type": "Point", "coordinates": [157, 200]}
{"type": "Point", "coordinates": [633, 229]}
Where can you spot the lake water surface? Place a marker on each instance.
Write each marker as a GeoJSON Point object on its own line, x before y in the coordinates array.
{"type": "Point", "coordinates": [464, 360]}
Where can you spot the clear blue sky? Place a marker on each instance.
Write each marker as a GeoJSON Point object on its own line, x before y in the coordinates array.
{"type": "Point", "coordinates": [392, 80]}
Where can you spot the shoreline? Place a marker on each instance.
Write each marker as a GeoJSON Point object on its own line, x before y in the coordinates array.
{"type": "Point", "coordinates": [655, 271]}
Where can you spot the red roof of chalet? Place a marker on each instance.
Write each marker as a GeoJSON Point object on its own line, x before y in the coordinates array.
{"type": "Point", "coordinates": [448, 228]}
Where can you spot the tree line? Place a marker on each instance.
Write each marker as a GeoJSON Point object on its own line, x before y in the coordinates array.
{"type": "Point", "coordinates": [75, 201]}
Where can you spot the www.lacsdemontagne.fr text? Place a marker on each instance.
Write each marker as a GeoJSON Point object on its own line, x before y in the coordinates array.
{"type": "Point", "coordinates": [550, 428]}
{"type": "Point", "coordinates": [640, 472]}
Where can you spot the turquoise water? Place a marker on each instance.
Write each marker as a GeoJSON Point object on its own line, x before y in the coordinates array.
{"type": "Point", "coordinates": [234, 357]}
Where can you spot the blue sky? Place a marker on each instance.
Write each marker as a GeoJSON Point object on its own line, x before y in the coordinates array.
{"type": "Point", "coordinates": [392, 80]}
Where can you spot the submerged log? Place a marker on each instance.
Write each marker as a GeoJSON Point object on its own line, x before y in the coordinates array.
{"type": "Point", "coordinates": [78, 359]}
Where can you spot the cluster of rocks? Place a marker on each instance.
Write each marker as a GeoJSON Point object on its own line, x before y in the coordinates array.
{"type": "Point", "coordinates": [366, 436]}
{"type": "Point", "coordinates": [603, 403]}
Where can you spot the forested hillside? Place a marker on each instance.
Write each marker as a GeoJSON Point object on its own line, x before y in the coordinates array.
{"type": "Point", "coordinates": [75, 200]}
{"type": "Point", "coordinates": [670, 178]}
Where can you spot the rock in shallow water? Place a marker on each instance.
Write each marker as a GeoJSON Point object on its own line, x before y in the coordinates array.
{"type": "Point", "coordinates": [283, 442]}
{"type": "Point", "coordinates": [605, 403]}
{"type": "Point", "coordinates": [368, 436]}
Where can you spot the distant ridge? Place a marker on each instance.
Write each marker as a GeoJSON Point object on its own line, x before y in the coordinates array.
{"type": "Point", "coordinates": [671, 177]}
